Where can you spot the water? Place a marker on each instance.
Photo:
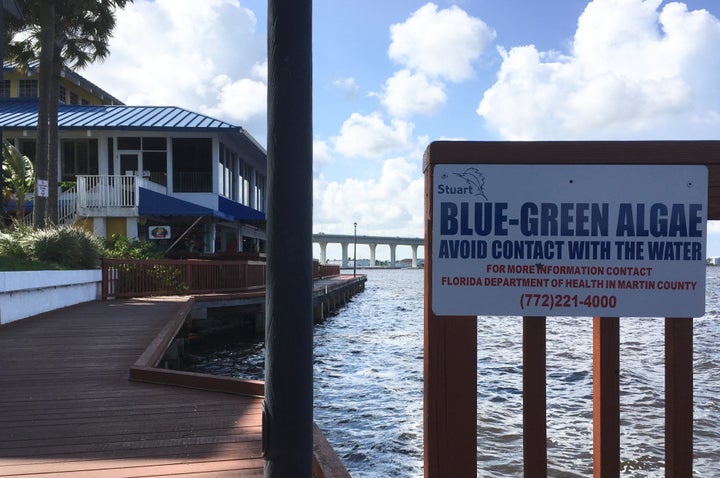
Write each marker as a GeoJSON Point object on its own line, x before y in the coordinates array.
{"type": "Point", "coordinates": [369, 382]}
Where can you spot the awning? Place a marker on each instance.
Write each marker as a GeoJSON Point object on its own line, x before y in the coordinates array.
{"type": "Point", "coordinates": [11, 206]}
{"type": "Point", "coordinates": [239, 211]}
{"type": "Point", "coordinates": [156, 204]}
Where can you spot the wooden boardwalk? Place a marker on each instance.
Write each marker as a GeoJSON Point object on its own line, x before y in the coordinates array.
{"type": "Point", "coordinates": [67, 407]}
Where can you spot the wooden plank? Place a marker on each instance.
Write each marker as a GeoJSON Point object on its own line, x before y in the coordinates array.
{"type": "Point", "coordinates": [326, 463]}
{"type": "Point", "coordinates": [606, 397]}
{"type": "Point", "coordinates": [678, 397]}
{"type": "Point", "coordinates": [67, 408]}
{"type": "Point", "coordinates": [450, 396]}
{"type": "Point", "coordinates": [534, 397]}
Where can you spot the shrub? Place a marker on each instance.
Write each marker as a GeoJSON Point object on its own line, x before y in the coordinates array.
{"type": "Point", "coordinates": [14, 245]}
{"type": "Point", "coordinates": [70, 247]}
{"type": "Point", "coordinates": [121, 247]}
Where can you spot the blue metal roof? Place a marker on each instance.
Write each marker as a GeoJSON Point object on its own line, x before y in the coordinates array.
{"type": "Point", "coordinates": [22, 114]}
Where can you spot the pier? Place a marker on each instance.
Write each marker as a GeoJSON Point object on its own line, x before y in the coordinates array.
{"type": "Point", "coordinates": [82, 396]}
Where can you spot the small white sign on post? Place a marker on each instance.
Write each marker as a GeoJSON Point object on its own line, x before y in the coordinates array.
{"type": "Point", "coordinates": [569, 240]}
{"type": "Point", "coordinates": [42, 188]}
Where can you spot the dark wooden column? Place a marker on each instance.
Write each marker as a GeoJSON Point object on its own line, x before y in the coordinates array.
{"type": "Point", "coordinates": [678, 397]}
{"type": "Point", "coordinates": [534, 397]}
{"type": "Point", "coordinates": [606, 397]}
{"type": "Point", "coordinates": [288, 405]}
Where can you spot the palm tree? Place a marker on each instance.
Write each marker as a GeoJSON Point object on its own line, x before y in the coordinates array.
{"type": "Point", "coordinates": [18, 176]}
{"type": "Point", "coordinates": [72, 33]}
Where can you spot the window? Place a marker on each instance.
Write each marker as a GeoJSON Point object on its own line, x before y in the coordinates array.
{"type": "Point", "coordinates": [129, 143]}
{"type": "Point", "coordinates": [260, 191]}
{"type": "Point", "coordinates": [247, 177]}
{"type": "Point", "coordinates": [74, 99]}
{"type": "Point", "coordinates": [79, 157]}
{"type": "Point", "coordinates": [5, 89]}
{"type": "Point", "coordinates": [192, 165]}
{"type": "Point", "coordinates": [28, 147]}
{"type": "Point", "coordinates": [154, 155]}
{"type": "Point", "coordinates": [228, 179]}
{"type": "Point", "coordinates": [84, 101]}
{"type": "Point", "coordinates": [28, 89]}
{"type": "Point", "coordinates": [62, 94]}
{"type": "Point", "coordinates": [154, 144]}
{"type": "Point", "coordinates": [111, 156]}
{"type": "Point", "coordinates": [155, 162]}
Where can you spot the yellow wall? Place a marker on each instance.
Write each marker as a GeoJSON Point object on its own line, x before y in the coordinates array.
{"type": "Point", "coordinates": [86, 224]}
{"type": "Point", "coordinates": [116, 225]}
{"type": "Point", "coordinates": [16, 75]}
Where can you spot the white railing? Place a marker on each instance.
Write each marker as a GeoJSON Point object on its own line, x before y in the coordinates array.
{"type": "Point", "coordinates": [102, 191]}
{"type": "Point", "coordinates": [67, 206]}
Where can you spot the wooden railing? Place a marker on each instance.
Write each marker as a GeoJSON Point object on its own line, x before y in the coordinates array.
{"type": "Point", "coordinates": [141, 278]}
{"type": "Point", "coordinates": [324, 270]}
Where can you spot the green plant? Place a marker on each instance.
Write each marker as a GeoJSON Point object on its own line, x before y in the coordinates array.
{"type": "Point", "coordinates": [121, 247]}
{"type": "Point", "coordinates": [19, 264]}
{"type": "Point", "coordinates": [14, 245]}
{"type": "Point", "coordinates": [18, 176]}
{"type": "Point", "coordinates": [68, 246]}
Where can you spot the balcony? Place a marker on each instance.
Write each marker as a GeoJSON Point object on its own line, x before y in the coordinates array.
{"type": "Point", "coordinates": [106, 195]}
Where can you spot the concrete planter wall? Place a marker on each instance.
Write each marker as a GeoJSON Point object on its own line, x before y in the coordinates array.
{"type": "Point", "coordinates": [27, 293]}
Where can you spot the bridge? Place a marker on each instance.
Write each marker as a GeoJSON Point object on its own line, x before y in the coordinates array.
{"type": "Point", "coordinates": [345, 240]}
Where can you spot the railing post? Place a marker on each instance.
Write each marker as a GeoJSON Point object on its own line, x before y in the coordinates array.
{"type": "Point", "coordinates": [678, 397]}
{"type": "Point", "coordinates": [534, 397]}
{"type": "Point", "coordinates": [606, 397]}
{"type": "Point", "coordinates": [450, 416]}
{"type": "Point", "coordinates": [104, 281]}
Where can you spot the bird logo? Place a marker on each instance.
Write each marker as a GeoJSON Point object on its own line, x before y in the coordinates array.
{"type": "Point", "coordinates": [476, 180]}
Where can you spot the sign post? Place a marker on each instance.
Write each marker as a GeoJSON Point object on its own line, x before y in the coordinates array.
{"type": "Point", "coordinates": [597, 229]}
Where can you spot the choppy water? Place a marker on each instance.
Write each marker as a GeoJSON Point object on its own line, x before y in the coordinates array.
{"type": "Point", "coordinates": [369, 380]}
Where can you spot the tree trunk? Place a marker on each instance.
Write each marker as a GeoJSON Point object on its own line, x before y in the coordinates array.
{"type": "Point", "coordinates": [47, 40]}
{"type": "Point", "coordinates": [54, 137]}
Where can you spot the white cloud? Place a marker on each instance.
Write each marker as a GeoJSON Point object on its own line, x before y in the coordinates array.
{"type": "Point", "coordinates": [322, 155]}
{"type": "Point", "coordinates": [348, 85]}
{"type": "Point", "coordinates": [406, 93]}
{"type": "Point", "coordinates": [390, 204]}
{"type": "Point", "coordinates": [239, 100]}
{"type": "Point", "coordinates": [633, 73]}
{"type": "Point", "coordinates": [439, 43]}
{"type": "Point", "coordinates": [369, 136]}
{"type": "Point", "coordinates": [187, 53]}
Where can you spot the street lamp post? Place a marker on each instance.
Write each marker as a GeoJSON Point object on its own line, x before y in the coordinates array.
{"type": "Point", "coordinates": [355, 251]}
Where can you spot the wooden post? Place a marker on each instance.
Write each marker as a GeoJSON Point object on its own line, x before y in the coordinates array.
{"type": "Point", "coordinates": [288, 405]}
{"type": "Point", "coordinates": [678, 397]}
{"type": "Point", "coordinates": [450, 394]}
{"type": "Point", "coordinates": [606, 397]}
{"type": "Point", "coordinates": [534, 397]}
{"type": "Point", "coordinates": [450, 413]}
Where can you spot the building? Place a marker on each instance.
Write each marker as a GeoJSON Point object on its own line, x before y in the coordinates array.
{"type": "Point", "coordinates": [191, 182]}
{"type": "Point", "coordinates": [74, 89]}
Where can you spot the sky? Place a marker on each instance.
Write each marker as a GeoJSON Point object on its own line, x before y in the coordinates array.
{"type": "Point", "coordinates": [389, 77]}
